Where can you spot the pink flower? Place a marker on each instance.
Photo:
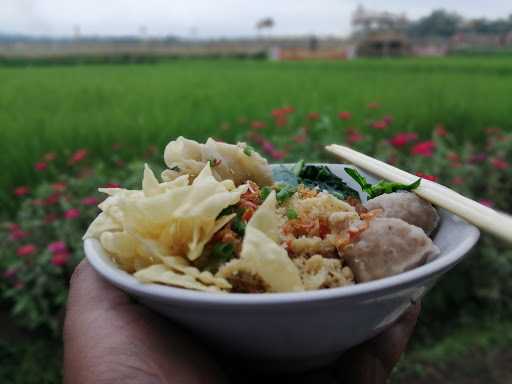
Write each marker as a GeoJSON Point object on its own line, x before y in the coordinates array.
{"type": "Point", "coordinates": [278, 155]}
{"type": "Point", "coordinates": [373, 105]}
{"type": "Point", "coordinates": [112, 185]}
{"type": "Point", "coordinates": [499, 164]}
{"type": "Point", "coordinates": [345, 116]}
{"type": "Point", "coordinates": [388, 119]}
{"type": "Point", "coordinates": [18, 234]}
{"type": "Point", "coordinates": [78, 156]}
{"type": "Point", "coordinates": [14, 227]}
{"type": "Point", "coordinates": [268, 146]}
{"type": "Point", "coordinates": [425, 149]}
{"type": "Point", "coordinates": [402, 139]}
{"type": "Point", "coordinates": [486, 202]}
{"type": "Point", "coordinates": [57, 247]}
{"type": "Point", "coordinates": [59, 186]}
{"type": "Point", "coordinates": [21, 191]}
{"type": "Point", "coordinates": [52, 199]}
{"type": "Point", "coordinates": [60, 259]}
{"type": "Point", "coordinates": [72, 213]}
{"type": "Point", "coordinates": [10, 273]}
{"type": "Point", "coordinates": [280, 112]}
{"type": "Point", "coordinates": [440, 131]}
{"type": "Point", "coordinates": [457, 180]}
{"type": "Point", "coordinates": [89, 201]}
{"type": "Point", "coordinates": [256, 124]}
{"type": "Point", "coordinates": [379, 124]}
{"type": "Point", "coordinates": [26, 250]}
{"type": "Point", "coordinates": [426, 176]}
{"type": "Point", "coordinates": [40, 166]}
{"type": "Point", "coordinates": [353, 136]}
{"type": "Point", "coordinates": [478, 158]}
{"type": "Point", "coordinates": [50, 156]}
{"type": "Point", "coordinates": [313, 116]}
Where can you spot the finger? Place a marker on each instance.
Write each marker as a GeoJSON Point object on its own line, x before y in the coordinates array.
{"type": "Point", "coordinates": [373, 361]}
{"type": "Point", "coordinates": [89, 290]}
{"type": "Point", "coordinates": [390, 345]}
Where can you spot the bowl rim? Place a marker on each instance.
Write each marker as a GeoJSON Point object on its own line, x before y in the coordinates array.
{"type": "Point", "coordinates": [97, 257]}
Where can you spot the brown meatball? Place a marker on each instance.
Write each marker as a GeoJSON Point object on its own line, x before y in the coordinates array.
{"type": "Point", "coordinates": [388, 247]}
{"type": "Point", "coordinates": [409, 207]}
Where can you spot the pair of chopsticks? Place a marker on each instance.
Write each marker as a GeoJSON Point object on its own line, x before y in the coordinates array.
{"type": "Point", "coordinates": [483, 217]}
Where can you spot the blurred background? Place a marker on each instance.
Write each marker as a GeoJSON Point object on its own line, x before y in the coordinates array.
{"type": "Point", "coordinates": [90, 90]}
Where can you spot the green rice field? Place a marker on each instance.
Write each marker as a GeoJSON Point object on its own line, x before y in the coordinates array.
{"type": "Point", "coordinates": [68, 107]}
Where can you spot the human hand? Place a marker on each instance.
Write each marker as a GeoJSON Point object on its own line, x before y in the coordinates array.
{"type": "Point", "coordinates": [108, 338]}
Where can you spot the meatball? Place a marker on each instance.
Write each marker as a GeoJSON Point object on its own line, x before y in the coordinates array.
{"type": "Point", "coordinates": [409, 207]}
{"type": "Point", "coordinates": [388, 247]}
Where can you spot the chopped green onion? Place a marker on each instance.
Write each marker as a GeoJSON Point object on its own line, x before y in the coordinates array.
{"type": "Point", "coordinates": [284, 192]}
{"type": "Point", "coordinates": [265, 191]}
{"type": "Point", "coordinates": [248, 150]}
{"type": "Point", "coordinates": [292, 214]}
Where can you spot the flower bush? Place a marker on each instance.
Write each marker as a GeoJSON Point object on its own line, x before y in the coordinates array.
{"type": "Point", "coordinates": [41, 244]}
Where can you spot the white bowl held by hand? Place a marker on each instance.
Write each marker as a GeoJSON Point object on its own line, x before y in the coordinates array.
{"type": "Point", "coordinates": [304, 329]}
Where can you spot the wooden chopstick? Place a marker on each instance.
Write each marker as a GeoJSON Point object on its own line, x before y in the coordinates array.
{"type": "Point", "coordinates": [486, 218]}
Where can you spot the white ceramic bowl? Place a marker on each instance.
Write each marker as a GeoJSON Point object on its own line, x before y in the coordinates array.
{"type": "Point", "coordinates": [296, 330]}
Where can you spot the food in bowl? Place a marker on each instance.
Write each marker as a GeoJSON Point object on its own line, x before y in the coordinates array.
{"type": "Point", "coordinates": [222, 220]}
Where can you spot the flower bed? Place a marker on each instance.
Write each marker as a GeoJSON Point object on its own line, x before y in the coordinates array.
{"type": "Point", "coordinates": [41, 242]}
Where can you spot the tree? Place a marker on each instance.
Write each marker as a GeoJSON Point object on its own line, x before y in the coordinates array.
{"type": "Point", "coordinates": [439, 23]}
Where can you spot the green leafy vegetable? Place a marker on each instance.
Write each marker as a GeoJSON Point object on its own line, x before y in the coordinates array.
{"type": "Point", "coordinates": [313, 176]}
{"type": "Point", "coordinates": [292, 214]}
{"type": "Point", "coordinates": [322, 177]}
{"type": "Point", "coordinates": [221, 253]}
{"type": "Point", "coordinates": [248, 150]}
{"type": "Point", "coordinates": [381, 187]}
{"type": "Point", "coordinates": [265, 191]}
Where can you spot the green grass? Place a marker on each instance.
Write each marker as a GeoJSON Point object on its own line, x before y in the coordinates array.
{"type": "Point", "coordinates": [52, 108]}
{"type": "Point", "coordinates": [473, 348]}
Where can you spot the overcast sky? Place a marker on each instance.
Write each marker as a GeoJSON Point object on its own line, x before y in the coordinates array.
{"type": "Point", "coordinates": [212, 18]}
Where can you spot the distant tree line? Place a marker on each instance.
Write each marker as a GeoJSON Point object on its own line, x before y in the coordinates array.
{"type": "Point", "coordinates": [444, 24]}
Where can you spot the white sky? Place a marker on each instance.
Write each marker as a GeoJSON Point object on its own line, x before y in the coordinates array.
{"type": "Point", "coordinates": [213, 18]}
